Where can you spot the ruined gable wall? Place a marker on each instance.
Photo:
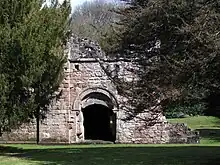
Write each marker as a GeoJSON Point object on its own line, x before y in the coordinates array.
{"type": "Point", "coordinates": [83, 71]}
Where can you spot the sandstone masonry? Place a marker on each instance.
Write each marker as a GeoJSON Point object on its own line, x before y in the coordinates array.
{"type": "Point", "coordinates": [86, 85]}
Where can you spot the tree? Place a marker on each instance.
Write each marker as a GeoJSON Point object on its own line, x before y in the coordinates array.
{"type": "Point", "coordinates": [94, 20]}
{"type": "Point", "coordinates": [31, 58]}
{"type": "Point", "coordinates": [175, 45]}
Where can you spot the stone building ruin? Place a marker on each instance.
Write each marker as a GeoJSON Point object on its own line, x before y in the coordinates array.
{"type": "Point", "coordinates": [89, 108]}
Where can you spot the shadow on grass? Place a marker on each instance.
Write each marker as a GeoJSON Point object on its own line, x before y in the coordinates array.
{"type": "Point", "coordinates": [212, 134]}
{"type": "Point", "coordinates": [135, 155]}
{"type": "Point", "coordinates": [10, 150]}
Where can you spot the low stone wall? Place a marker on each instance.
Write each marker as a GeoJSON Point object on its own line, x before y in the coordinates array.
{"type": "Point", "coordinates": [25, 134]}
{"type": "Point", "coordinates": [139, 131]}
{"type": "Point", "coordinates": [180, 133]}
{"type": "Point", "coordinates": [159, 133]}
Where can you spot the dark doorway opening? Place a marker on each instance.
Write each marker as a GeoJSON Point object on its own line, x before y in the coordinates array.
{"type": "Point", "coordinates": [99, 123]}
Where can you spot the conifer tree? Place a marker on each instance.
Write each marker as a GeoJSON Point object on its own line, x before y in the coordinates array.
{"type": "Point", "coordinates": [32, 41]}
{"type": "Point", "coordinates": [176, 46]}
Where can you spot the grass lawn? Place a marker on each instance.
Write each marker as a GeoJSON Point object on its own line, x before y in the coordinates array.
{"type": "Point", "coordinates": [206, 153]}
{"type": "Point", "coordinates": [199, 122]}
{"type": "Point", "coordinates": [110, 155]}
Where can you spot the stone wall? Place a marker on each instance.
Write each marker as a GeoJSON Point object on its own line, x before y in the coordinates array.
{"type": "Point", "coordinates": [26, 133]}
{"type": "Point", "coordinates": [84, 75]}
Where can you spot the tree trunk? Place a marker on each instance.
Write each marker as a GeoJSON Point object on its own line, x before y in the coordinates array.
{"type": "Point", "coordinates": [38, 125]}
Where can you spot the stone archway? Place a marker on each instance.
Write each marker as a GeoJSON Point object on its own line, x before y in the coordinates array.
{"type": "Point", "coordinates": [97, 110]}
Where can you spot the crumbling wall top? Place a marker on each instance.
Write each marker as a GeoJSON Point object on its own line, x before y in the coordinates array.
{"type": "Point", "coordinates": [79, 48]}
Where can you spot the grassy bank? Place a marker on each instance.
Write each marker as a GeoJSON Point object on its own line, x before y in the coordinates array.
{"type": "Point", "coordinates": [199, 122]}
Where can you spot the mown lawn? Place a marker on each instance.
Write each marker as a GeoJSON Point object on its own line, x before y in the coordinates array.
{"type": "Point", "coordinates": [199, 122]}
{"type": "Point", "coordinates": [110, 155]}
{"type": "Point", "coordinates": [206, 153]}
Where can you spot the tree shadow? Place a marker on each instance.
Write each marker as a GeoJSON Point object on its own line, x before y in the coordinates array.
{"type": "Point", "coordinates": [11, 150]}
{"type": "Point", "coordinates": [130, 155]}
{"type": "Point", "coordinates": [212, 134]}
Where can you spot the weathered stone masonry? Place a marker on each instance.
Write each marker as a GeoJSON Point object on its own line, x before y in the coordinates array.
{"type": "Point", "coordinates": [85, 86]}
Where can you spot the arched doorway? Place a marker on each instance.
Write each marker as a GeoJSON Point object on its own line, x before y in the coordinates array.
{"type": "Point", "coordinates": [97, 115]}
{"type": "Point", "coordinates": [98, 123]}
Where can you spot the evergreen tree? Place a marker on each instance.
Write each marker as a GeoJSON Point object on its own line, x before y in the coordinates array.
{"type": "Point", "coordinates": [176, 47]}
{"type": "Point", "coordinates": [32, 40]}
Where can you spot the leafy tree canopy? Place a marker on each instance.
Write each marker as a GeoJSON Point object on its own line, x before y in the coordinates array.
{"type": "Point", "coordinates": [94, 20]}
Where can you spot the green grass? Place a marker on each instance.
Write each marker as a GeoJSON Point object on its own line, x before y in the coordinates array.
{"type": "Point", "coordinates": [199, 122]}
{"type": "Point", "coordinates": [110, 155]}
{"type": "Point", "coordinates": [206, 153]}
